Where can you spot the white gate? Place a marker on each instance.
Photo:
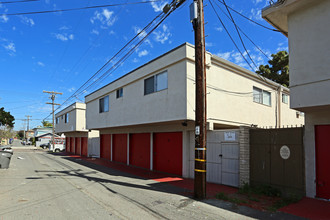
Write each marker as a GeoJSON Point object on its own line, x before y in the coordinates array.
{"type": "Point", "coordinates": [222, 157]}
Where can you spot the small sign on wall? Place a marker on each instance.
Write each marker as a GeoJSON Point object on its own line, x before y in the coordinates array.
{"type": "Point", "coordinates": [285, 152]}
{"type": "Point", "coordinates": [230, 136]}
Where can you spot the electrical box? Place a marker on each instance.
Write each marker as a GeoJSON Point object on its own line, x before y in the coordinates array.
{"type": "Point", "coordinates": [193, 11]}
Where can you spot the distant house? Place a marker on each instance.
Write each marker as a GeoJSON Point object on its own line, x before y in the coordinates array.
{"type": "Point", "coordinates": [71, 122]}
{"type": "Point", "coordinates": [306, 23]}
{"type": "Point", "coordinates": [45, 138]}
{"type": "Point", "coordinates": [146, 118]}
{"type": "Point", "coordinates": [42, 130]}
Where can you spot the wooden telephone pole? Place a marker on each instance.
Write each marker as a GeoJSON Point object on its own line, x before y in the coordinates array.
{"type": "Point", "coordinates": [200, 113]}
{"type": "Point", "coordinates": [52, 97]}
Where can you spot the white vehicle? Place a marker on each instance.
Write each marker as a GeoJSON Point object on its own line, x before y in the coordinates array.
{"type": "Point", "coordinates": [59, 145]}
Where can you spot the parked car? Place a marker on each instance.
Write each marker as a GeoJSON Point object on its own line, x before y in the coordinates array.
{"type": "Point", "coordinates": [26, 143]}
{"type": "Point", "coordinates": [44, 146]}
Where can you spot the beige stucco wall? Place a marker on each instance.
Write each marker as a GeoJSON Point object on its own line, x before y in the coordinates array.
{"type": "Point", "coordinates": [178, 101]}
{"type": "Point", "coordinates": [309, 55]}
{"type": "Point", "coordinates": [77, 119]}
{"type": "Point", "coordinates": [135, 107]}
{"type": "Point", "coordinates": [230, 96]}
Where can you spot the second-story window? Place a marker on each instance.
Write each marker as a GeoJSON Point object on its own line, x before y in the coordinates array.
{"type": "Point", "coordinates": [104, 104]}
{"type": "Point", "coordinates": [155, 83]}
{"type": "Point", "coordinates": [66, 119]}
{"type": "Point", "coordinates": [119, 93]}
{"type": "Point", "coordinates": [57, 120]}
{"type": "Point", "coordinates": [285, 98]}
{"type": "Point", "coordinates": [261, 96]}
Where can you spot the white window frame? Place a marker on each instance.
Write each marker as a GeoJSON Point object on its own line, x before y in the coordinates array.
{"type": "Point", "coordinates": [156, 84]}
{"type": "Point", "coordinates": [66, 119]}
{"type": "Point", "coordinates": [105, 105]}
{"type": "Point", "coordinates": [285, 98]}
{"type": "Point", "coordinates": [119, 93]}
{"type": "Point", "coordinates": [258, 96]}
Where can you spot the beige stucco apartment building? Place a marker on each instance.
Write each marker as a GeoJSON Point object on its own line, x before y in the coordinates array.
{"type": "Point", "coordinates": [146, 118]}
{"type": "Point", "coordinates": [306, 23]}
{"type": "Point", "coordinates": [71, 122]}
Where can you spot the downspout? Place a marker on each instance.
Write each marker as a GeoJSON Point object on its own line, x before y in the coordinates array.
{"type": "Point", "coordinates": [279, 106]}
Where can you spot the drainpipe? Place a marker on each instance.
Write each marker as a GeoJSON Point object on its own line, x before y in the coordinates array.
{"type": "Point", "coordinates": [279, 105]}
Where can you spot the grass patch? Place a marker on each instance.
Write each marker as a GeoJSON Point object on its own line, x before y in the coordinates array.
{"type": "Point", "coordinates": [225, 197]}
{"type": "Point", "coordinates": [260, 197]}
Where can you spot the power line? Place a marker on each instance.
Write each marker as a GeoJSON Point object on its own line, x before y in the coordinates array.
{"type": "Point", "coordinates": [82, 8]}
{"type": "Point", "coordinates": [230, 35]}
{"type": "Point", "coordinates": [245, 34]}
{"type": "Point", "coordinates": [239, 35]}
{"type": "Point", "coordinates": [261, 25]}
{"type": "Point", "coordinates": [142, 33]}
{"type": "Point", "coordinates": [10, 2]}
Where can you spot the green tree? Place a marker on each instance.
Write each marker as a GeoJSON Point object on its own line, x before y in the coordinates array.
{"type": "Point", "coordinates": [6, 119]}
{"type": "Point", "coordinates": [46, 124]}
{"type": "Point", "coordinates": [278, 68]}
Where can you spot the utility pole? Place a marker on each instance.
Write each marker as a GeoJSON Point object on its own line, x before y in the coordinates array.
{"type": "Point", "coordinates": [28, 120]}
{"type": "Point", "coordinates": [52, 97]}
{"type": "Point", "coordinates": [197, 18]}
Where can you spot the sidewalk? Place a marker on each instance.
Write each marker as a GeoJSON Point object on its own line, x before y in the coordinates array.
{"type": "Point", "coordinates": [306, 208]}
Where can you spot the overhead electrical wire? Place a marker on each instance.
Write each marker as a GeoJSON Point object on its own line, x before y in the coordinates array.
{"type": "Point", "coordinates": [239, 35]}
{"type": "Point", "coordinates": [22, 1]}
{"type": "Point", "coordinates": [231, 38]}
{"type": "Point", "coordinates": [245, 34]}
{"type": "Point", "coordinates": [261, 25]}
{"type": "Point", "coordinates": [143, 35]}
{"type": "Point", "coordinates": [81, 8]}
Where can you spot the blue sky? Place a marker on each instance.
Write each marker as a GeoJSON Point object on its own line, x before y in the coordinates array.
{"type": "Point", "coordinates": [61, 51]}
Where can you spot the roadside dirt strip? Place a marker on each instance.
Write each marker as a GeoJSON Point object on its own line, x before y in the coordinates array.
{"type": "Point", "coordinates": [39, 185]}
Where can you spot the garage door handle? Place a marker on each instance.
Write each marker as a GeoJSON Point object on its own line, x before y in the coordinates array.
{"type": "Point", "coordinates": [220, 155]}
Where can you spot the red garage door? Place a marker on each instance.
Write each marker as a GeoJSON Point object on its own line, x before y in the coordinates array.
{"type": "Point", "coordinates": [322, 149]}
{"type": "Point", "coordinates": [167, 152]}
{"type": "Point", "coordinates": [72, 144]}
{"type": "Point", "coordinates": [77, 144]}
{"type": "Point", "coordinates": [105, 148]}
{"type": "Point", "coordinates": [139, 150]}
{"type": "Point", "coordinates": [119, 148]}
{"type": "Point", "coordinates": [67, 144]}
{"type": "Point", "coordinates": [84, 144]}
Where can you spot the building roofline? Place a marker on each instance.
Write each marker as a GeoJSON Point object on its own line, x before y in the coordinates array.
{"type": "Point", "coordinates": [70, 106]}
{"type": "Point", "coordinates": [184, 44]}
{"type": "Point", "coordinates": [249, 73]}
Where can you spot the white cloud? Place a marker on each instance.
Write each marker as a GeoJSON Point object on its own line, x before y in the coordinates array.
{"type": "Point", "coordinates": [95, 32]}
{"type": "Point", "coordinates": [64, 37]}
{"type": "Point", "coordinates": [143, 53]}
{"type": "Point", "coordinates": [237, 58]}
{"type": "Point", "coordinates": [4, 18]}
{"type": "Point", "coordinates": [40, 63]}
{"type": "Point", "coordinates": [135, 60]}
{"type": "Point", "coordinates": [142, 35]}
{"type": "Point", "coordinates": [27, 21]}
{"type": "Point", "coordinates": [64, 28]}
{"type": "Point", "coordinates": [281, 47]}
{"type": "Point", "coordinates": [256, 14]}
{"type": "Point", "coordinates": [71, 89]}
{"type": "Point", "coordinates": [225, 55]}
{"type": "Point", "coordinates": [162, 35]}
{"type": "Point", "coordinates": [14, 28]}
{"type": "Point", "coordinates": [257, 1]}
{"type": "Point", "coordinates": [105, 17]}
{"type": "Point", "coordinates": [219, 29]}
{"type": "Point", "coordinates": [10, 47]}
{"type": "Point", "coordinates": [158, 6]}
{"type": "Point", "coordinates": [207, 44]}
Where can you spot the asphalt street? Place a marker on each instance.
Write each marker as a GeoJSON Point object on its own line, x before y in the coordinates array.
{"type": "Point", "coordinates": [42, 185]}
